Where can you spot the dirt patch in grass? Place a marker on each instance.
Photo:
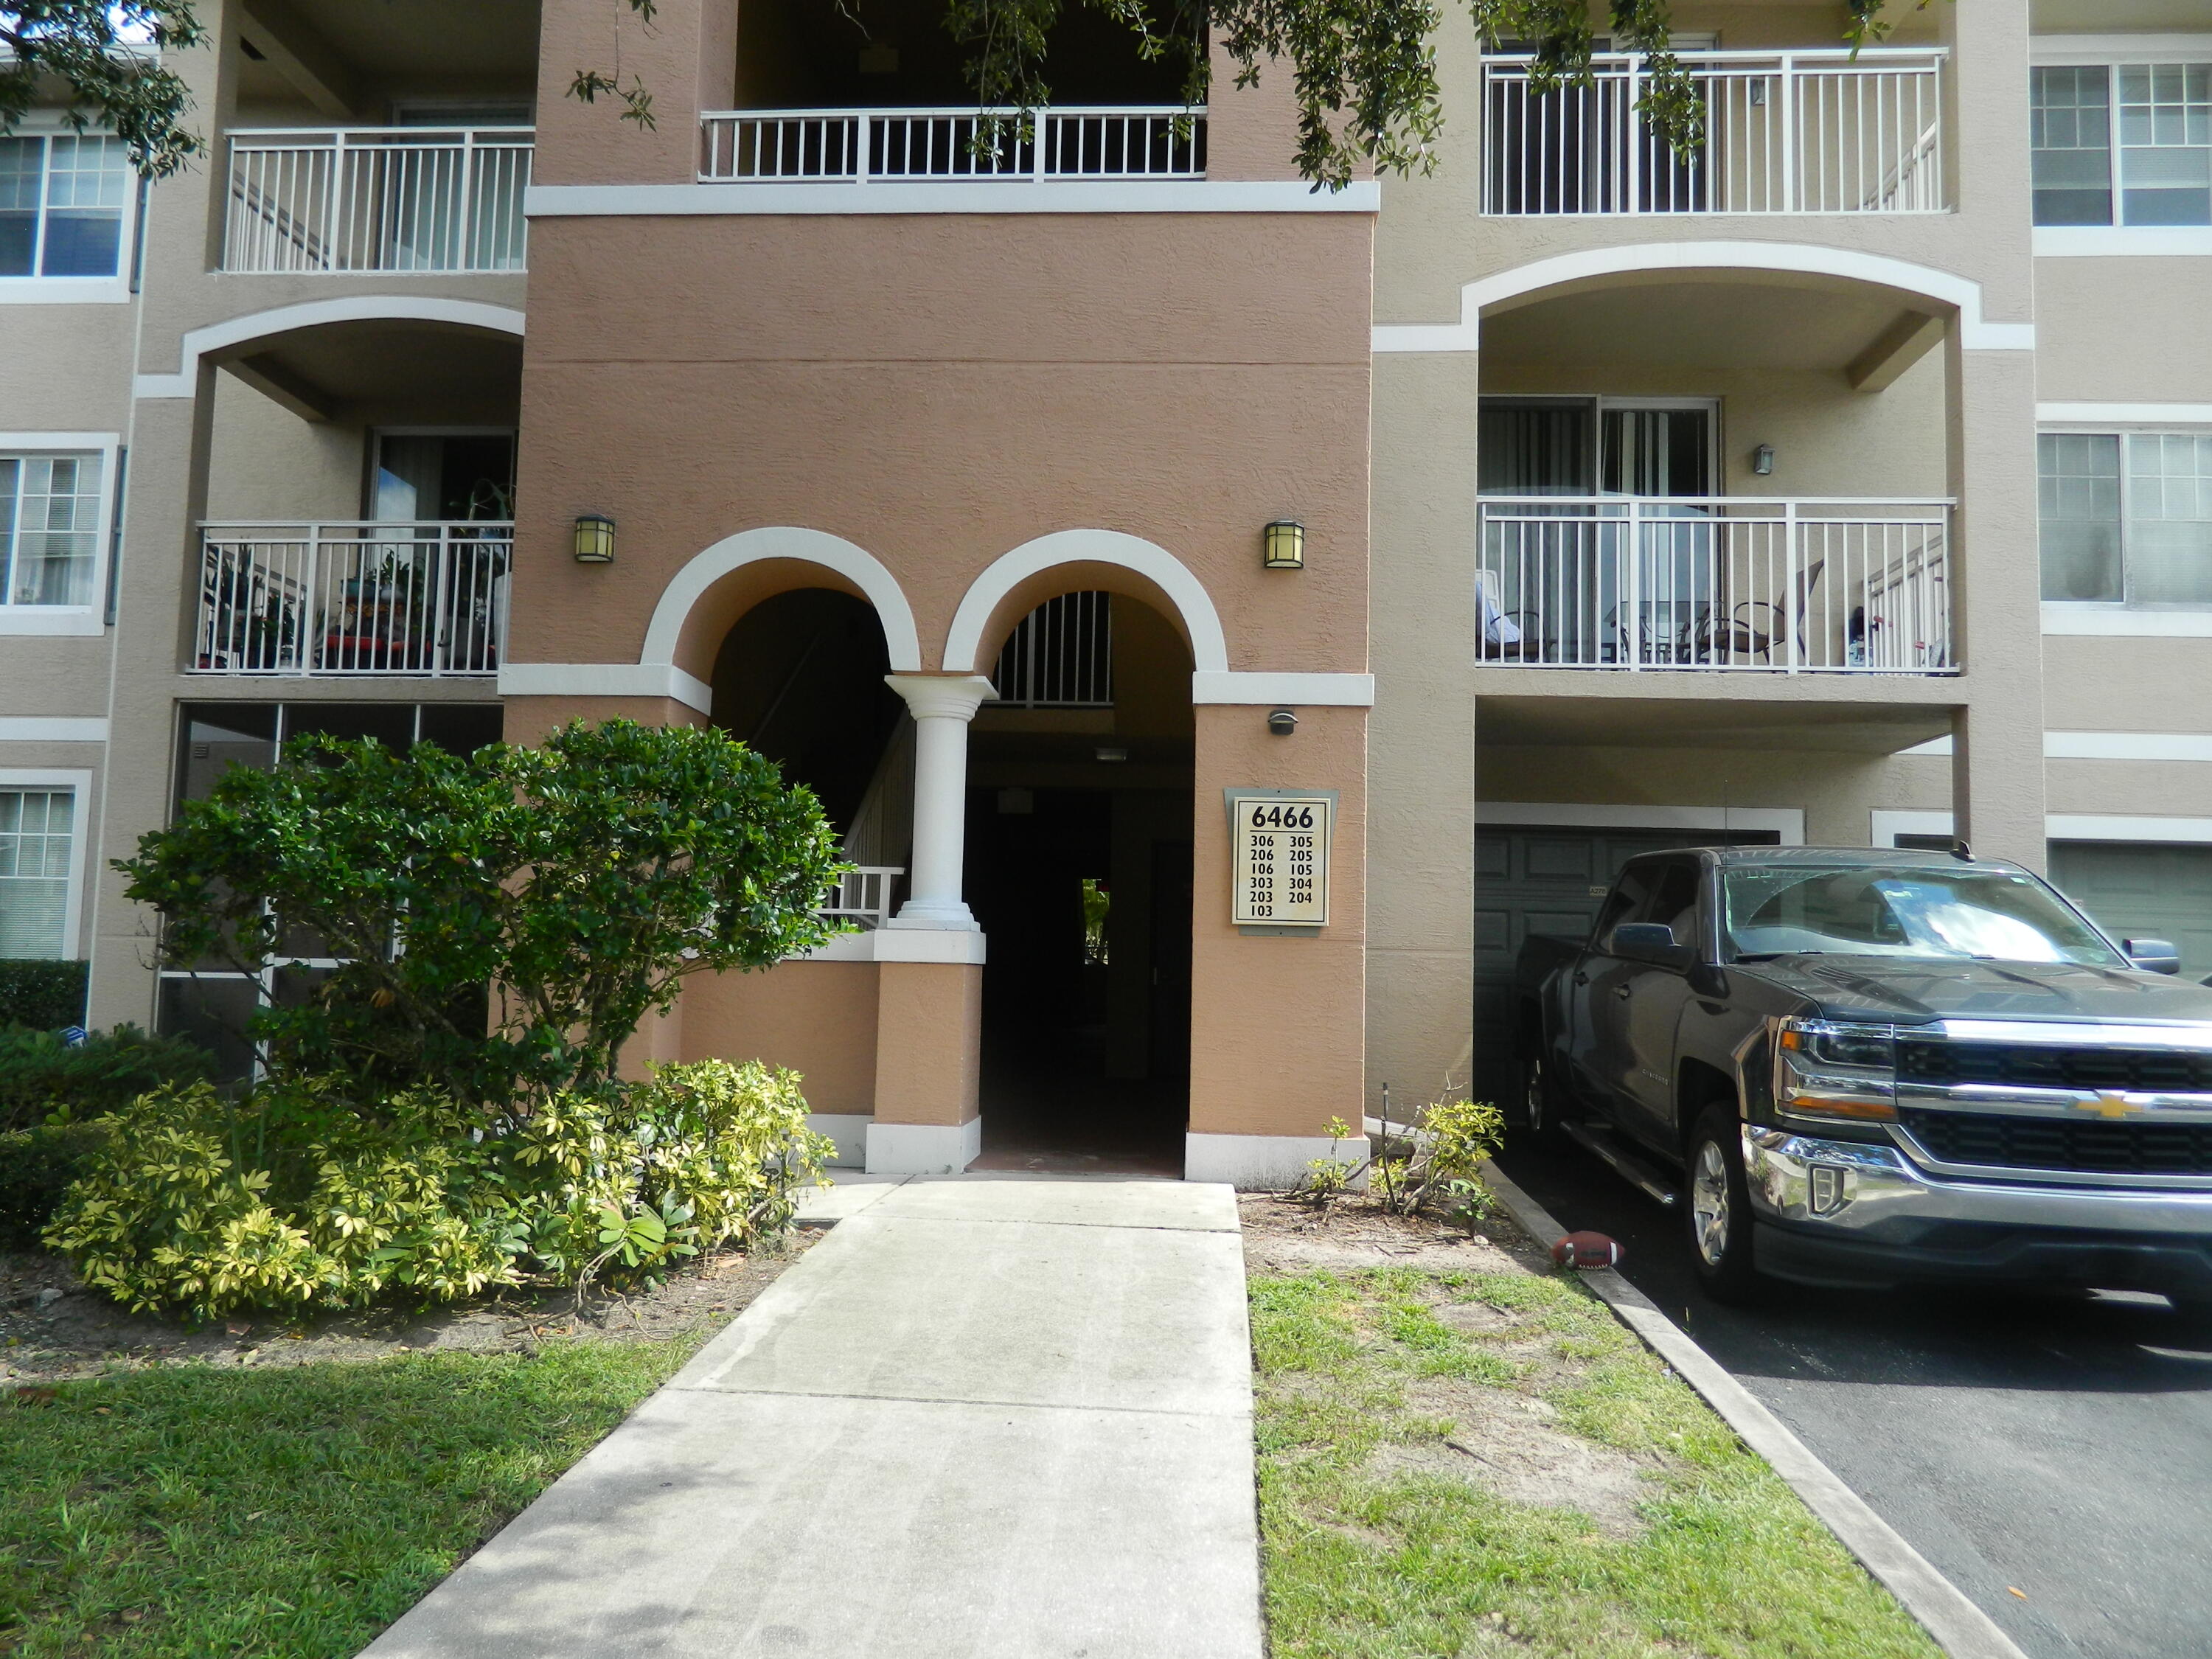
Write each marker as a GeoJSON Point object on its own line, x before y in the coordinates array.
{"type": "Point", "coordinates": [1462, 1451]}
{"type": "Point", "coordinates": [52, 1328]}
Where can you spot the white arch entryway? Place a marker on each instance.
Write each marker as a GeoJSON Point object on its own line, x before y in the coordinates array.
{"type": "Point", "coordinates": [965, 643]}
{"type": "Point", "coordinates": [1948, 289]}
{"type": "Point", "coordinates": [198, 343]}
{"type": "Point", "coordinates": [819, 547]}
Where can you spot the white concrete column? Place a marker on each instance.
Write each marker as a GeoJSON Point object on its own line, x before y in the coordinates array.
{"type": "Point", "coordinates": [942, 705]}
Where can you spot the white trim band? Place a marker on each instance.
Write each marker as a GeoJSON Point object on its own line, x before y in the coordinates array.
{"type": "Point", "coordinates": [893, 943]}
{"type": "Point", "coordinates": [769, 197]}
{"type": "Point", "coordinates": [1801, 257]}
{"type": "Point", "coordinates": [855, 565]}
{"type": "Point", "coordinates": [51, 728]}
{"type": "Point", "coordinates": [2061, 826]}
{"type": "Point", "coordinates": [2122, 241]}
{"type": "Point", "coordinates": [965, 643]}
{"type": "Point", "coordinates": [605, 679]}
{"type": "Point", "coordinates": [1262, 1163]}
{"type": "Point", "coordinates": [2102, 745]}
{"type": "Point", "coordinates": [923, 1148]}
{"type": "Point", "coordinates": [1313, 690]}
{"type": "Point", "coordinates": [1786, 822]}
{"type": "Point", "coordinates": [2120, 621]}
{"type": "Point", "coordinates": [2125, 414]}
{"type": "Point", "coordinates": [850, 1131]}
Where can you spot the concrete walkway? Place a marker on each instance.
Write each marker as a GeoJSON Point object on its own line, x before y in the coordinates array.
{"type": "Point", "coordinates": [984, 1417]}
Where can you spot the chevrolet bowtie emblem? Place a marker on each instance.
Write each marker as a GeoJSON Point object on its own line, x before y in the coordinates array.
{"type": "Point", "coordinates": [2110, 1104]}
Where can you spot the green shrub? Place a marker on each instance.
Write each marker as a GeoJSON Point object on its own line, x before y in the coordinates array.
{"type": "Point", "coordinates": [301, 1197]}
{"type": "Point", "coordinates": [43, 995]}
{"type": "Point", "coordinates": [37, 1165]}
{"type": "Point", "coordinates": [41, 1077]}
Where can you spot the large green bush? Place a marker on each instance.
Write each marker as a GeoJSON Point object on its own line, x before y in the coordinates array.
{"type": "Point", "coordinates": [54, 1104]}
{"type": "Point", "coordinates": [579, 880]}
{"type": "Point", "coordinates": [42, 994]}
{"type": "Point", "coordinates": [301, 1195]}
{"type": "Point", "coordinates": [41, 1077]}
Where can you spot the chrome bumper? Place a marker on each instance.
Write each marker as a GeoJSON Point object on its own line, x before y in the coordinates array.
{"type": "Point", "coordinates": [1882, 1192]}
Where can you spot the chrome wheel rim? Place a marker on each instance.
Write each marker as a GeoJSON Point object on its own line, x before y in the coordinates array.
{"type": "Point", "coordinates": [1533, 1103]}
{"type": "Point", "coordinates": [1709, 1204]}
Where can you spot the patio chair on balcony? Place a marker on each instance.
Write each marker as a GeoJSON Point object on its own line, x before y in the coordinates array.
{"type": "Point", "coordinates": [1754, 626]}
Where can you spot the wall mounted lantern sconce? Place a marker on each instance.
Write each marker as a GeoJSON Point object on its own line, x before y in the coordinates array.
{"type": "Point", "coordinates": [1283, 545]}
{"type": "Point", "coordinates": [1762, 461]}
{"type": "Point", "coordinates": [595, 538]}
{"type": "Point", "coordinates": [1282, 722]}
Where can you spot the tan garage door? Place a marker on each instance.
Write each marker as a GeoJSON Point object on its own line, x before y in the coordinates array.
{"type": "Point", "coordinates": [2143, 888]}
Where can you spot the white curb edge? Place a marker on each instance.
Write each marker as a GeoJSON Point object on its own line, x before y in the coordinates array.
{"type": "Point", "coordinates": [1960, 1628]}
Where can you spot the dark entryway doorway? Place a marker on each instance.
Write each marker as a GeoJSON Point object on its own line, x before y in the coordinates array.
{"type": "Point", "coordinates": [1078, 870]}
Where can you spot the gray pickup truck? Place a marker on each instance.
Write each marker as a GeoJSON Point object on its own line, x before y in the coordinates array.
{"type": "Point", "coordinates": [1856, 1067]}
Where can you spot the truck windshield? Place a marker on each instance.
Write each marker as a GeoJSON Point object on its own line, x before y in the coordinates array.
{"type": "Point", "coordinates": [1889, 911]}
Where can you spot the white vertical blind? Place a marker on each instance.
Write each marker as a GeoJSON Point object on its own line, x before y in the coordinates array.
{"type": "Point", "coordinates": [36, 826]}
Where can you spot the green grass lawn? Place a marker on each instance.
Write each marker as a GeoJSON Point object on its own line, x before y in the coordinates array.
{"type": "Point", "coordinates": [1378, 1547]}
{"type": "Point", "coordinates": [286, 1513]}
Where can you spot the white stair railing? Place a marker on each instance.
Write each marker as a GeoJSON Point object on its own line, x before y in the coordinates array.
{"type": "Point", "coordinates": [864, 895]}
{"type": "Point", "coordinates": [845, 146]}
{"type": "Point", "coordinates": [1790, 132]}
{"type": "Point", "coordinates": [1754, 585]}
{"type": "Point", "coordinates": [377, 199]}
{"type": "Point", "coordinates": [353, 599]}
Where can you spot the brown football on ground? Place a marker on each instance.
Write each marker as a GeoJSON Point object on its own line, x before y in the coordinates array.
{"type": "Point", "coordinates": [1586, 1250]}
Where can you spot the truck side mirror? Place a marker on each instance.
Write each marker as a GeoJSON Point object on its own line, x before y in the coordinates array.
{"type": "Point", "coordinates": [2153, 956]}
{"type": "Point", "coordinates": [1652, 942]}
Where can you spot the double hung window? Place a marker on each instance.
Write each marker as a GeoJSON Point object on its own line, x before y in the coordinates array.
{"type": "Point", "coordinates": [61, 201]}
{"type": "Point", "coordinates": [50, 520]}
{"type": "Point", "coordinates": [2126, 518]}
{"type": "Point", "coordinates": [2121, 144]}
{"type": "Point", "coordinates": [37, 829]}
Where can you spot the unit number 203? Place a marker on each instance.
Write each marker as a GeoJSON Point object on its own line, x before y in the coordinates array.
{"type": "Point", "coordinates": [1282, 817]}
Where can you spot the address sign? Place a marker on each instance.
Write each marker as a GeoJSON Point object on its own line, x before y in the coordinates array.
{"type": "Point", "coordinates": [1278, 846]}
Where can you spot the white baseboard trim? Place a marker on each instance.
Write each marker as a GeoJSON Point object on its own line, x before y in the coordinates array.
{"type": "Point", "coordinates": [1262, 1163]}
{"type": "Point", "coordinates": [849, 1130]}
{"type": "Point", "coordinates": [923, 1148]}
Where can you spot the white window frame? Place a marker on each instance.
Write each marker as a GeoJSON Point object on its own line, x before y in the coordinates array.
{"type": "Point", "coordinates": [2119, 616]}
{"type": "Point", "coordinates": [49, 620]}
{"type": "Point", "coordinates": [36, 290]}
{"type": "Point", "coordinates": [2112, 52]}
{"type": "Point", "coordinates": [78, 782]}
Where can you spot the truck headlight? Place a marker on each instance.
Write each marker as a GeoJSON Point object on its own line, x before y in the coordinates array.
{"type": "Point", "coordinates": [1828, 1069]}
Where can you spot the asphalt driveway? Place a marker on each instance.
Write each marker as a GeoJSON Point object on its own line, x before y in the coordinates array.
{"type": "Point", "coordinates": [2058, 1448]}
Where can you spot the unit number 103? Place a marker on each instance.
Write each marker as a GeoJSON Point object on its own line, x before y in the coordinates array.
{"type": "Point", "coordinates": [1282, 817]}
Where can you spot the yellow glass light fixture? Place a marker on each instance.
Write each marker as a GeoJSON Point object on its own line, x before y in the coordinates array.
{"type": "Point", "coordinates": [1283, 545]}
{"type": "Point", "coordinates": [595, 538]}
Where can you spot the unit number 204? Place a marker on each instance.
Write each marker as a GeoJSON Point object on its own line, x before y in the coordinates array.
{"type": "Point", "coordinates": [1282, 817]}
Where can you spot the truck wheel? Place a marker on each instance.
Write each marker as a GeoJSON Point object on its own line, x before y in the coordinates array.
{"type": "Point", "coordinates": [1539, 1108]}
{"type": "Point", "coordinates": [1718, 1202]}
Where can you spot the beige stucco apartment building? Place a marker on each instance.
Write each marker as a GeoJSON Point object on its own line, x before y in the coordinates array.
{"type": "Point", "coordinates": [1222, 618]}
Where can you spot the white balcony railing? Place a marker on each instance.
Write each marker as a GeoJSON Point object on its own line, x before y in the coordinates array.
{"type": "Point", "coordinates": [864, 897]}
{"type": "Point", "coordinates": [377, 198]}
{"type": "Point", "coordinates": [352, 599]}
{"type": "Point", "coordinates": [1785, 132]}
{"type": "Point", "coordinates": [1753, 585]}
{"type": "Point", "coordinates": [846, 146]}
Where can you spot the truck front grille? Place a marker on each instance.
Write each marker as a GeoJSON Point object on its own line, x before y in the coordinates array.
{"type": "Point", "coordinates": [2062, 1144]}
{"type": "Point", "coordinates": [2054, 1065]}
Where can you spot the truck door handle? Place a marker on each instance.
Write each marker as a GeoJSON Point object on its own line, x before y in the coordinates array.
{"type": "Point", "coordinates": [1622, 990]}
{"type": "Point", "coordinates": [1581, 978]}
